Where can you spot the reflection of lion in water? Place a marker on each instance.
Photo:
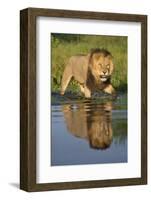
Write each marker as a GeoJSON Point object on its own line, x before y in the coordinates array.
{"type": "Point", "coordinates": [92, 71]}
{"type": "Point", "coordinates": [90, 122]}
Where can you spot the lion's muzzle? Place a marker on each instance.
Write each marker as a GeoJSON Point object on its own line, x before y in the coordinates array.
{"type": "Point", "coordinates": [104, 78]}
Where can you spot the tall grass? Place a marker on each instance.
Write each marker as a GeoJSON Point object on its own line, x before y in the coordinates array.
{"type": "Point", "coordinates": [65, 45]}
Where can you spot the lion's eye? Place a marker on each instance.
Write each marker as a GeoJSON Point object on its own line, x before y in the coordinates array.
{"type": "Point", "coordinates": [107, 66]}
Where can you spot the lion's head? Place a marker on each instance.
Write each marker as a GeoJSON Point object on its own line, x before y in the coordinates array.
{"type": "Point", "coordinates": [101, 64]}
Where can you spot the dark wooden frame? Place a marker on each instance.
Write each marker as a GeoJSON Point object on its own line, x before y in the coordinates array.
{"type": "Point", "coordinates": [28, 98]}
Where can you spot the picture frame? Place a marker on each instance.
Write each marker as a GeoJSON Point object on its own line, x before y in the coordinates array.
{"type": "Point", "coordinates": [28, 98]}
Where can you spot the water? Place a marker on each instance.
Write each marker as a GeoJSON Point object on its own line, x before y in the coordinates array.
{"type": "Point", "coordinates": [88, 131]}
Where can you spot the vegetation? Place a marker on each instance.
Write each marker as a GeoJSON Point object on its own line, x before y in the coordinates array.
{"type": "Point", "coordinates": [65, 45]}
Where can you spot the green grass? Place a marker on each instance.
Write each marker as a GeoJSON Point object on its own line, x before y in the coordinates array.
{"type": "Point", "coordinates": [65, 45]}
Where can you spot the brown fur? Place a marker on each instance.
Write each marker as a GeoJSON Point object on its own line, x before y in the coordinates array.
{"type": "Point", "coordinates": [92, 71]}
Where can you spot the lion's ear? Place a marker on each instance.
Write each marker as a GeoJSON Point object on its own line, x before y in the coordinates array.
{"type": "Point", "coordinates": [111, 66]}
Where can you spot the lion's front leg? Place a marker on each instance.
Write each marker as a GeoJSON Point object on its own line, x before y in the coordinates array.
{"type": "Point", "coordinates": [87, 92]}
{"type": "Point", "coordinates": [81, 88]}
{"type": "Point", "coordinates": [110, 90]}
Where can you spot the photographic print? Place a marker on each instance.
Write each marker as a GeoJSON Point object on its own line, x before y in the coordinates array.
{"type": "Point", "coordinates": [83, 99]}
{"type": "Point", "coordinates": [88, 99]}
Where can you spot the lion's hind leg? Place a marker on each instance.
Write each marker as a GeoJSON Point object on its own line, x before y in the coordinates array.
{"type": "Point", "coordinates": [67, 75]}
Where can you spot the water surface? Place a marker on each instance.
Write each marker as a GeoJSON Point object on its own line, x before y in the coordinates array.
{"type": "Point", "coordinates": [88, 131]}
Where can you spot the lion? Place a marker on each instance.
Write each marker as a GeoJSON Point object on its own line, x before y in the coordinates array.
{"type": "Point", "coordinates": [92, 72]}
{"type": "Point", "coordinates": [95, 126]}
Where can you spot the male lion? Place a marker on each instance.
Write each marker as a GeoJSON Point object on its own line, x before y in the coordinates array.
{"type": "Point", "coordinates": [92, 72]}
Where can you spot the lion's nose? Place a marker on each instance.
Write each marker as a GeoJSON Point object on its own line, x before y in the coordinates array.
{"type": "Point", "coordinates": [104, 72]}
